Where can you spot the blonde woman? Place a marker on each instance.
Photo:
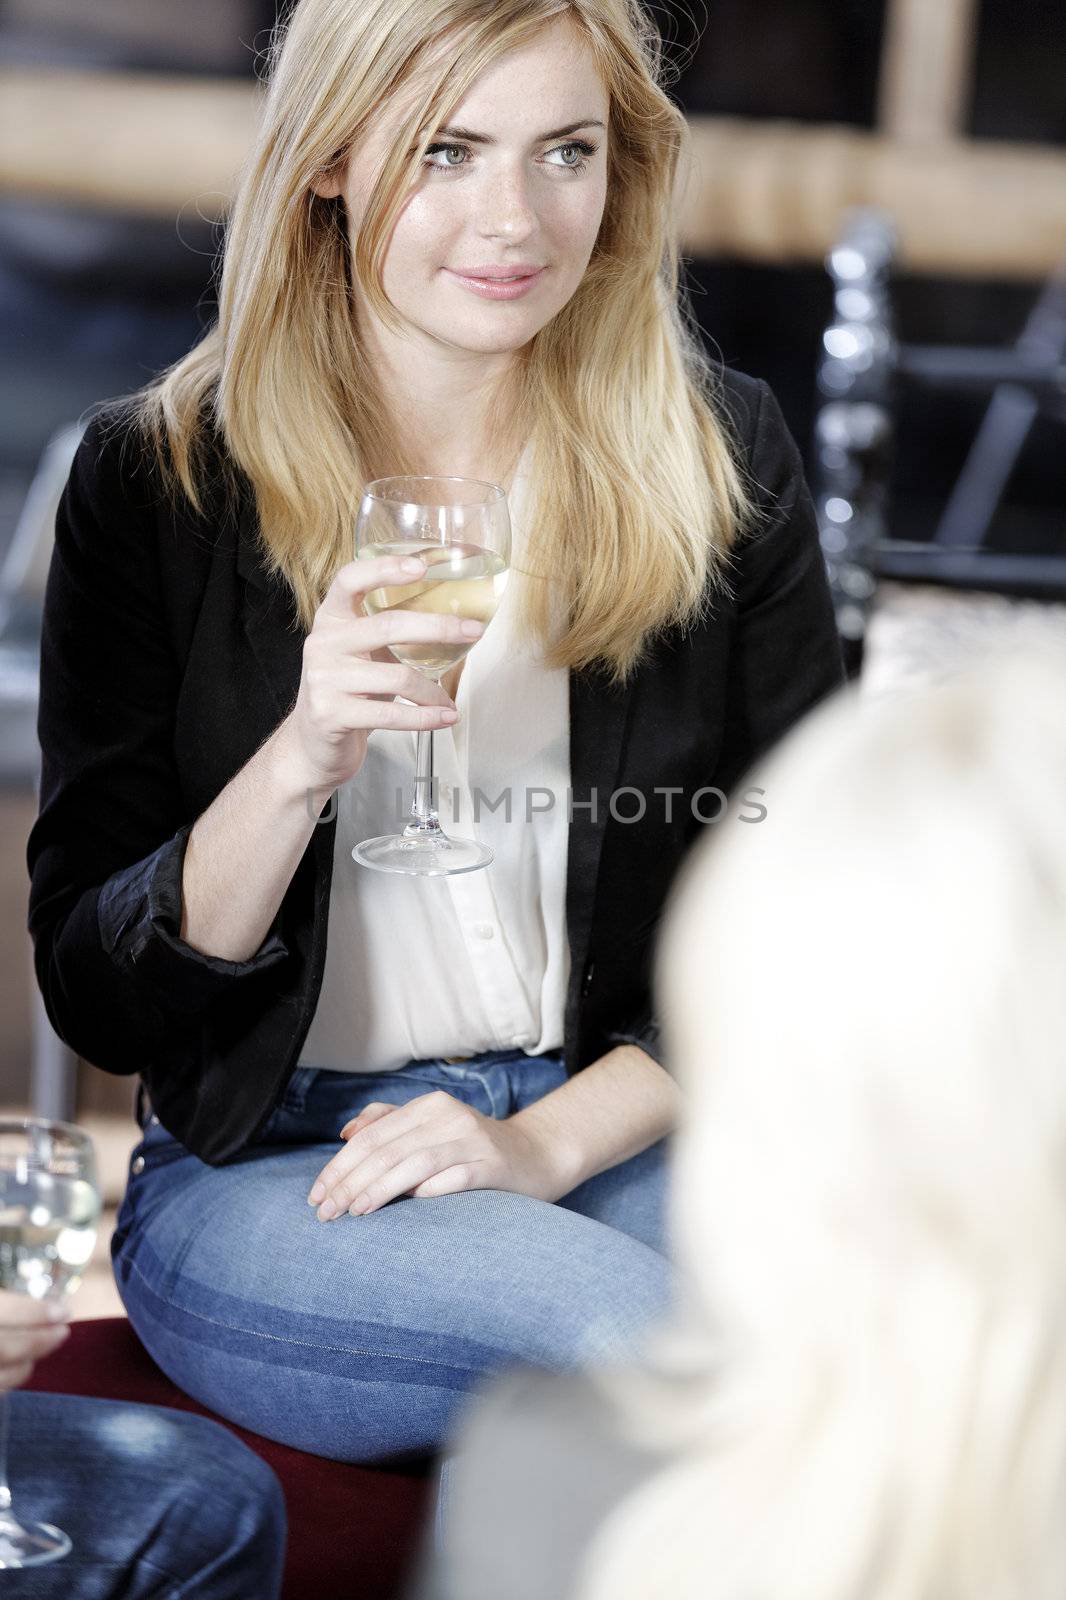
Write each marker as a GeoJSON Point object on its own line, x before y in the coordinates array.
{"type": "Point", "coordinates": [862, 1394]}
{"type": "Point", "coordinates": [399, 1132]}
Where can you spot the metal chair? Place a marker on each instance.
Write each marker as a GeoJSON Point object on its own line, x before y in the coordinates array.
{"type": "Point", "coordinates": [861, 374]}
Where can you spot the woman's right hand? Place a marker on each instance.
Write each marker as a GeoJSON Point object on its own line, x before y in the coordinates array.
{"type": "Point", "coordinates": [349, 678]}
{"type": "Point", "coordinates": [27, 1334]}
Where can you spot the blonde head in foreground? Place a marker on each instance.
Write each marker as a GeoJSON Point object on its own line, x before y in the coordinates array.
{"type": "Point", "coordinates": [865, 998]}
{"type": "Point", "coordinates": [338, 303]}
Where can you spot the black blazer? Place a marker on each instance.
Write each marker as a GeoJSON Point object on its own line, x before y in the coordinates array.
{"type": "Point", "coordinates": [168, 657]}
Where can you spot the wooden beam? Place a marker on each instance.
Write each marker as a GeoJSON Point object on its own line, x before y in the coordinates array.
{"type": "Point", "coordinates": [760, 191]}
{"type": "Point", "coordinates": [140, 142]}
{"type": "Point", "coordinates": [927, 59]}
{"type": "Point", "coordinates": [777, 192]}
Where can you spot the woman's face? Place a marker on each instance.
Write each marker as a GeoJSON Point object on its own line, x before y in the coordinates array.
{"type": "Point", "coordinates": [521, 196]}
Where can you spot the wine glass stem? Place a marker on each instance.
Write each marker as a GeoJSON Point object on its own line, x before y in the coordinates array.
{"type": "Point", "coordinates": [423, 810]}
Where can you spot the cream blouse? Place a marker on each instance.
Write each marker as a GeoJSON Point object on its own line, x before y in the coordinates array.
{"type": "Point", "coordinates": [451, 966]}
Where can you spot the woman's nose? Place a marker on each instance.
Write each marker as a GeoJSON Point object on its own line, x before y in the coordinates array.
{"type": "Point", "coordinates": [506, 207]}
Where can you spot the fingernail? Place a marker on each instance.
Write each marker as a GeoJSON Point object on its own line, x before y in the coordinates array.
{"type": "Point", "coordinates": [58, 1311]}
{"type": "Point", "coordinates": [317, 1191]}
{"type": "Point", "coordinates": [412, 564]}
{"type": "Point", "coordinates": [472, 628]}
{"type": "Point", "coordinates": [59, 1334]}
{"type": "Point", "coordinates": [326, 1210]}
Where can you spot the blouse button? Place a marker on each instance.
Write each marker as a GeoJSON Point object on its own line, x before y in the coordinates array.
{"type": "Point", "coordinates": [484, 930]}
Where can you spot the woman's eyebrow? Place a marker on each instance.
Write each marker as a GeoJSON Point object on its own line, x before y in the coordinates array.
{"type": "Point", "coordinates": [484, 138]}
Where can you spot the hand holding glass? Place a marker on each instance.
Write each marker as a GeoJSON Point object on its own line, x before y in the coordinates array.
{"type": "Point", "coordinates": [49, 1209]}
{"type": "Point", "coordinates": [461, 529]}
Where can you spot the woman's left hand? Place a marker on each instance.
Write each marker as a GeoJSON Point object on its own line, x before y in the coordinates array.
{"type": "Point", "coordinates": [432, 1145]}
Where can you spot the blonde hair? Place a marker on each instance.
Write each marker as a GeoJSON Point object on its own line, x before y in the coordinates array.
{"type": "Point", "coordinates": [863, 1396]}
{"type": "Point", "coordinates": [637, 490]}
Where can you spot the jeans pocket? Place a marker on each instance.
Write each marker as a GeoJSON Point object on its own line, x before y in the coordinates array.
{"type": "Point", "coordinates": [294, 1095]}
{"type": "Point", "coordinates": [156, 1149]}
{"type": "Point", "coordinates": [285, 1124]}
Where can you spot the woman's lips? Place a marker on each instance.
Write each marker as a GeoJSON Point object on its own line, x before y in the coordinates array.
{"type": "Point", "coordinates": [496, 289]}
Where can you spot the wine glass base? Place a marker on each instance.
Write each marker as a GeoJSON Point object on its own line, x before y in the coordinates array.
{"type": "Point", "coordinates": [425, 858]}
{"type": "Point", "coordinates": [30, 1544]}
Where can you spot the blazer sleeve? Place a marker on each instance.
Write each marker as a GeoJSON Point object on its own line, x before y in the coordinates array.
{"type": "Point", "coordinates": [786, 653]}
{"type": "Point", "coordinates": [106, 851]}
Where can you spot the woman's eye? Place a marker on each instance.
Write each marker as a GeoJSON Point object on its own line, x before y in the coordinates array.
{"type": "Point", "coordinates": [446, 149]}
{"type": "Point", "coordinates": [583, 151]}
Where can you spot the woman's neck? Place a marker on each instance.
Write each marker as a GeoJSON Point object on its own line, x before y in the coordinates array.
{"type": "Point", "coordinates": [470, 465]}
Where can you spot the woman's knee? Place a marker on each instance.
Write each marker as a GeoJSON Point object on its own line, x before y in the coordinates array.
{"type": "Point", "coordinates": [236, 1501]}
{"type": "Point", "coordinates": [230, 1479]}
{"type": "Point", "coordinates": [224, 1462]}
{"type": "Point", "coordinates": [133, 1482]}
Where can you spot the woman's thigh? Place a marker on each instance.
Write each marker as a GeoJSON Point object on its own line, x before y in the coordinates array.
{"type": "Point", "coordinates": [155, 1501]}
{"type": "Point", "coordinates": [359, 1338]}
{"type": "Point", "coordinates": [632, 1197]}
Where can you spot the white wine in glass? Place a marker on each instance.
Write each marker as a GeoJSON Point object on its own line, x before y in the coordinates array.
{"type": "Point", "coordinates": [461, 529]}
{"type": "Point", "coordinates": [49, 1211]}
{"type": "Point", "coordinates": [461, 580]}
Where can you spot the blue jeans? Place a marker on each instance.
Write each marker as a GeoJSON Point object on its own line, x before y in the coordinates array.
{"type": "Point", "coordinates": [158, 1503]}
{"type": "Point", "coordinates": [361, 1339]}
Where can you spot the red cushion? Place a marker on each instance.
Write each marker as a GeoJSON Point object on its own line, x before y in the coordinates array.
{"type": "Point", "coordinates": [353, 1531]}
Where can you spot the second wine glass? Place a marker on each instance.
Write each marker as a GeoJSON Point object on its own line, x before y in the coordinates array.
{"type": "Point", "coordinates": [49, 1208]}
{"type": "Point", "coordinates": [461, 529]}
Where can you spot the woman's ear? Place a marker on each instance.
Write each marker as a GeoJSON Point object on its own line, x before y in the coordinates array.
{"type": "Point", "coordinates": [330, 184]}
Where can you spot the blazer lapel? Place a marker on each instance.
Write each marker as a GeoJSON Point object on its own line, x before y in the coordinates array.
{"type": "Point", "coordinates": [599, 713]}
{"type": "Point", "coordinates": [269, 615]}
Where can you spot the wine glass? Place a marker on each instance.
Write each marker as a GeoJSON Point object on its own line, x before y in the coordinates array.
{"type": "Point", "coordinates": [461, 529]}
{"type": "Point", "coordinates": [49, 1208]}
